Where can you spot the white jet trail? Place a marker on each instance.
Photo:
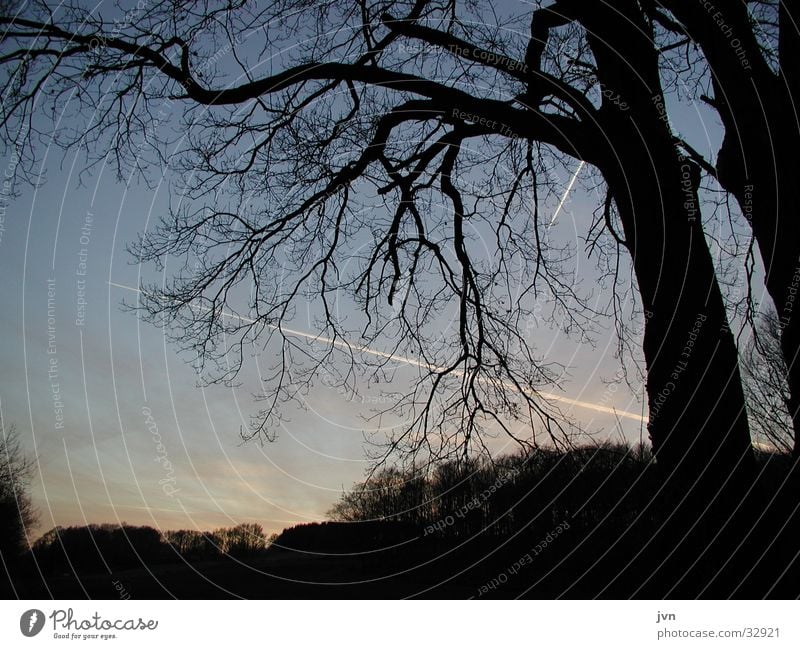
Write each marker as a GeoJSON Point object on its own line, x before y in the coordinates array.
{"type": "Point", "coordinates": [343, 344]}
{"type": "Point", "coordinates": [566, 193]}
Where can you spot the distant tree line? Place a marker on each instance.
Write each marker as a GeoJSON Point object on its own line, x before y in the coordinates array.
{"type": "Point", "coordinates": [239, 540]}
{"type": "Point", "coordinates": [397, 513]}
{"type": "Point", "coordinates": [542, 487]}
{"type": "Point", "coordinates": [111, 547]}
{"type": "Point", "coordinates": [609, 485]}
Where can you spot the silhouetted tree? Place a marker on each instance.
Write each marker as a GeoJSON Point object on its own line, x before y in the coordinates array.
{"type": "Point", "coordinates": [193, 544]}
{"type": "Point", "coordinates": [752, 50]}
{"type": "Point", "coordinates": [389, 494]}
{"type": "Point", "coordinates": [277, 167]}
{"type": "Point", "coordinates": [240, 540]}
{"type": "Point", "coordinates": [17, 513]}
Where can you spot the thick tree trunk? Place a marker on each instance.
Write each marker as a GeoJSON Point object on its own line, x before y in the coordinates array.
{"type": "Point", "coordinates": [758, 159]}
{"type": "Point", "coordinates": [697, 421]}
{"type": "Point", "coordinates": [698, 424]}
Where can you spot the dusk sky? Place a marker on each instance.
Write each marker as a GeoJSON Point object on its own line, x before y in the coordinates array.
{"type": "Point", "coordinates": [124, 387]}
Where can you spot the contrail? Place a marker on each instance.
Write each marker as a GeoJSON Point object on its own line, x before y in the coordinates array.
{"type": "Point", "coordinates": [343, 344]}
{"type": "Point", "coordinates": [566, 193]}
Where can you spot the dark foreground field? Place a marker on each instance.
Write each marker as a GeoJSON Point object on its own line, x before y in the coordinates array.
{"type": "Point", "coordinates": [589, 523]}
{"type": "Point", "coordinates": [277, 575]}
{"type": "Point", "coordinates": [571, 564]}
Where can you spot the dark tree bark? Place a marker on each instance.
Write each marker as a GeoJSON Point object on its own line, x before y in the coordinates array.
{"type": "Point", "coordinates": [698, 424]}
{"type": "Point", "coordinates": [757, 162]}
